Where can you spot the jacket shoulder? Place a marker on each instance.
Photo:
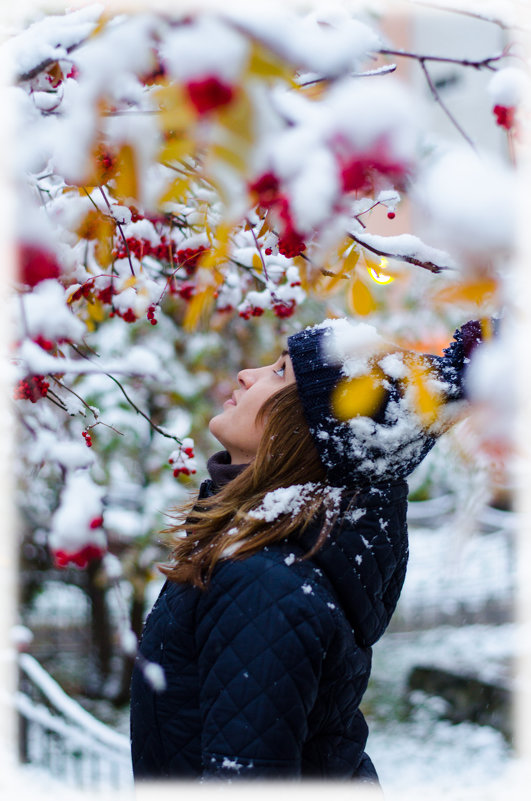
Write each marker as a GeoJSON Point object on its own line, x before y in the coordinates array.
{"type": "Point", "coordinates": [265, 587]}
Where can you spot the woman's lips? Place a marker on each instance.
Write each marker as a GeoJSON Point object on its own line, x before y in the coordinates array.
{"type": "Point", "coordinates": [231, 401]}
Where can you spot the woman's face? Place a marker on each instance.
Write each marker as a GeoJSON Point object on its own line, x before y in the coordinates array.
{"type": "Point", "coordinates": [237, 427]}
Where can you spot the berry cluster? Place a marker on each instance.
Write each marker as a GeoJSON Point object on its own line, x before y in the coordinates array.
{"type": "Point", "coordinates": [88, 291]}
{"type": "Point", "coordinates": [151, 314]}
{"type": "Point", "coordinates": [284, 309]}
{"type": "Point", "coordinates": [182, 459]}
{"type": "Point", "coordinates": [504, 116]}
{"type": "Point", "coordinates": [81, 558]}
{"type": "Point", "coordinates": [251, 311]}
{"type": "Point", "coordinates": [266, 190]}
{"type": "Point", "coordinates": [208, 94]}
{"type": "Point", "coordinates": [31, 388]}
{"type": "Point", "coordinates": [165, 251]}
{"type": "Point", "coordinates": [87, 436]}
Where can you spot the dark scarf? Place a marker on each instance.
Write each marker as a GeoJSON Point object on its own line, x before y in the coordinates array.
{"type": "Point", "coordinates": [221, 470]}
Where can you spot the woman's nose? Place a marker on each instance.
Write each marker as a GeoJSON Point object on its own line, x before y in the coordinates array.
{"type": "Point", "coordinates": [247, 377]}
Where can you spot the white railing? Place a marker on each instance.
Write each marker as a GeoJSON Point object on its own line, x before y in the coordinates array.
{"type": "Point", "coordinates": [57, 734]}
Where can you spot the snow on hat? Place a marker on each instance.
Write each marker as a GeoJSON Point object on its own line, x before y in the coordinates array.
{"type": "Point", "coordinates": [392, 441]}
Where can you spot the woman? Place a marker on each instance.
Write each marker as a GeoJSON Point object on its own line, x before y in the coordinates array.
{"type": "Point", "coordinates": [292, 563]}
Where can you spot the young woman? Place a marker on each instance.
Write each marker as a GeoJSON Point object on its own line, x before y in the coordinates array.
{"type": "Point", "coordinates": [289, 570]}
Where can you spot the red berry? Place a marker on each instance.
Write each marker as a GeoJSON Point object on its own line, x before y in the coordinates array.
{"type": "Point", "coordinates": [284, 310]}
{"type": "Point", "coordinates": [45, 344]}
{"type": "Point", "coordinates": [209, 93]}
{"type": "Point", "coordinates": [36, 265]}
{"type": "Point", "coordinates": [504, 116]}
{"type": "Point", "coordinates": [391, 215]}
{"type": "Point", "coordinates": [96, 522]}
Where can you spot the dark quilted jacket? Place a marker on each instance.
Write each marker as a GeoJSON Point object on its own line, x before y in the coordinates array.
{"type": "Point", "coordinates": [266, 669]}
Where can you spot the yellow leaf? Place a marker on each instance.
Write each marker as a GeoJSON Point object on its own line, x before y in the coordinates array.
{"type": "Point", "coordinates": [360, 396]}
{"type": "Point", "coordinates": [212, 257]}
{"type": "Point", "coordinates": [176, 111]}
{"type": "Point", "coordinates": [131, 281]}
{"type": "Point", "coordinates": [199, 306]}
{"type": "Point", "coordinates": [330, 281]}
{"type": "Point", "coordinates": [350, 260]}
{"type": "Point", "coordinates": [175, 149]}
{"type": "Point", "coordinates": [96, 311]}
{"type": "Point", "coordinates": [237, 118]}
{"type": "Point", "coordinates": [426, 397]}
{"type": "Point", "coordinates": [343, 246]}
{"type": "Point", "coordinates": [126, 183]}
{"type": "Point", "coordinates": [257, 262]}
{"type": "Point", "coordinates": [103, 252]}
{"type": "Point", "coordinates": [487, 329]}
{"type": "Point", "coordinates": [265, 64]}
{"type": "Point", "coordinates": [475, 292]}
{"type": "Point", "coordinates": [229, 156]}
{"type": "Point", "coordinates": [176, 191]}
{"type": "Point", "coordinates": [89, 225]}
{"type": "Point", "coordinates": [359, 298]}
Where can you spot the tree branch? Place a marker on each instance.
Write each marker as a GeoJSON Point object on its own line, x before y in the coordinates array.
{"type": "Point", "coordinates": [34, 71]}
{"type": "Point", "coordinates": [369, 73]}
{"type": "Point", "coordinates": [437, 98]}
{"type": "Point", "coordinates": [484, 63]}
{"type": "Point", "coordinates": [426, 265]}
{"type": "Point", "coordinates": [119, 226]}
{"type": "Point", "coordinates": [474, 14]}
{"type": "Point", "coordinates": [68, 389]}
{"type": "Point", "coordinates": [132, 403]}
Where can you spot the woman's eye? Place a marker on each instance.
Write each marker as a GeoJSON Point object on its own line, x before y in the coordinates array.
{"type": "Point", "coordinates": [281, 370]}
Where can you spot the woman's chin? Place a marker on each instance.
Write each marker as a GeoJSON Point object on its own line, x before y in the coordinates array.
{"type": "Point", "coordinates": [215, 426]}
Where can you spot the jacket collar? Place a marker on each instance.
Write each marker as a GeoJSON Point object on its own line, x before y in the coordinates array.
{"type": "Point", "coordinates": [221, 470]}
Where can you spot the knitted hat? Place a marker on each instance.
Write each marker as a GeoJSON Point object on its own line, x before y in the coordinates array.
{"type": "Point", "coordinates": [392, 441]}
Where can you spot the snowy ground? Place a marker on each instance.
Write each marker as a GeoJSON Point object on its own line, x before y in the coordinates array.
{"type": "Point", "coordinates": [422, 753]}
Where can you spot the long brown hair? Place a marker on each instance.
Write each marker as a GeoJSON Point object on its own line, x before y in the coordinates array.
{"type": "Point", "coordinates": [230, 524]}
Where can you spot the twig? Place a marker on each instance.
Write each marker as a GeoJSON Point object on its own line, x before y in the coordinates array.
{"type": "Point", "coordinates": [369, 73]}
{"type": "Point", "coordinates": [437, 98]}
{"type": "Point", "coordinates": [107, 425]}
{"type": "Point", "coordinates": [259, 249]}
{"type": "Point", "coordinates": [128, 399]}
{"type": "Point", "coordinates": [484, 63]}
{"type": "Point", "coordinates": [119, 226]}
{"type": "Point", "coordinates": [474, 14]}
{"type": "Point", "coordinates": [68, 389]}
{"type": "Point", "coordinates": [426, 265]}
{"type": "Point", "coordinates": [139, 411]}
{"type": "Point", "coordinates": [60, 405]}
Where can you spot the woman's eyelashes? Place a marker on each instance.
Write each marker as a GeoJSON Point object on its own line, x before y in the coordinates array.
{"type": "Point", "coordinates": [280, 371]}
